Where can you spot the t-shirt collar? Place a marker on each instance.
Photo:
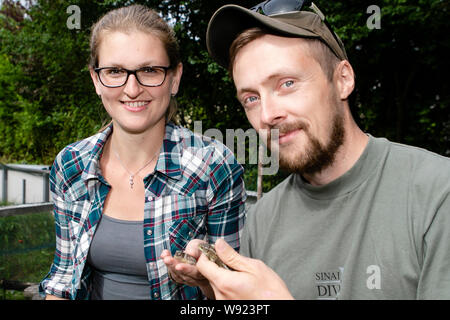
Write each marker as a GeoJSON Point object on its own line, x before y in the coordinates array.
{"type": "Point", "coordinates": [375, 150]}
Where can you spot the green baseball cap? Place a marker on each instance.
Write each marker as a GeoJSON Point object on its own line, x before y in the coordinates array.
{"type": "Point", "coordinates": [230, 20]}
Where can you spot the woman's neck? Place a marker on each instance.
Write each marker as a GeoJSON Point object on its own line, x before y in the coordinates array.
{"type": "Point", "coordinates": [135, 149]}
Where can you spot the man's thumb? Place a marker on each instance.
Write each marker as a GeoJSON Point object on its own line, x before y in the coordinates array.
{"type": "Point", "coordinates": [228, 255]}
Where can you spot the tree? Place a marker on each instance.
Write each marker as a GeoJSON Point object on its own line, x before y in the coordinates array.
{"type": "Point", "coordinates": [47, 99]}
{"type": "Point", "coordinates": [402, 91]}
{"type": "Point", "coordinates": [56, 103]}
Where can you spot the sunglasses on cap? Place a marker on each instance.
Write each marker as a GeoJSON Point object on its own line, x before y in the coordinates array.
{"type": "Point", "coordinates": [273, 7]}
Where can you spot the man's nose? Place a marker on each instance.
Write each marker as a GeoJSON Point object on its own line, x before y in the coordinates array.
{"type": "Point", "coordinates": [271, 111]}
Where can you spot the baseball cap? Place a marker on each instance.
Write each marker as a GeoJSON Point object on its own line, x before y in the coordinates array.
{"type": "Point", "coordinates": [230, 20]}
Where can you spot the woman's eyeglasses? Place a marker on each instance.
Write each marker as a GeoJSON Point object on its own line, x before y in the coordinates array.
{"type": "Point", "coordinates": [113, 77]}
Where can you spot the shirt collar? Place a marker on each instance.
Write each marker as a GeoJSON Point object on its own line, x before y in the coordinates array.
{"type": "Point", "coordinates": [169, 160]}
{"type": "Point", "coordinates": [92, 168]}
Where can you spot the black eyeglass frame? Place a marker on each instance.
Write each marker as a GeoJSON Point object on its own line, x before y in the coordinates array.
{"type": "Point", "coordinates": [133, 72]}
{"type": "Point", "coordinates": [261, 8]}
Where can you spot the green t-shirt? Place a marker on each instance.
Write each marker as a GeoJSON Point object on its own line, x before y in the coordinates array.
{"type": "Point", "coordinates": [380, 231]}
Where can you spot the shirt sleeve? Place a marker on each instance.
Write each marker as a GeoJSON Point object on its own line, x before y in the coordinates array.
{"type": "Point", "coordinates": [434, 280]}
{"type": "Point", "coordinates": [246, 239]}
{"type": "Point", "coordinates": [57, 281]}
{"type": "Point", "coordinates": [226, 199]}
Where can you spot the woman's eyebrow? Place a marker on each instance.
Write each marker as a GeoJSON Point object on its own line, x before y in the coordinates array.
{"type": "Point", "coordinates": [141, 65]}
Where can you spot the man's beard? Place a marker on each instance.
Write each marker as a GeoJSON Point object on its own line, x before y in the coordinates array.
{"type": "Point", "coordinates": [316, 156]}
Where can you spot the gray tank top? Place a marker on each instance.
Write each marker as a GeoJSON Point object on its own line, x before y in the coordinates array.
{"type": "Point", "coordinates": [117, 258]}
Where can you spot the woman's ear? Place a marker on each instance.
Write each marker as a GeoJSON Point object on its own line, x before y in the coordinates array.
{"type": "Point", "coordinates": [97, 84]}
{"type": "Point", "coordinates": [345, 79]}
{"type": "Point", "coordinates": [176, 79]}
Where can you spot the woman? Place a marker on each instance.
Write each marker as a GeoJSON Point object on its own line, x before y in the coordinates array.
{"type": "Point", "coordinates": [142, 185]}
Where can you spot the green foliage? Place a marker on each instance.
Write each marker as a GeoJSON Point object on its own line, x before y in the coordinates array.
{"type": "Point", "coordinates": [26, 246]}
{"type": "Point", "coordinates": [401, 92]}
{"type": "Point", "coordinates": [26, 231]}
{"type": "Point", "coordinates": [48, 101]}
{"type": "Point", "coordinates": [13, 295]}
{"type": "Point", "coordinates": [9, 77]}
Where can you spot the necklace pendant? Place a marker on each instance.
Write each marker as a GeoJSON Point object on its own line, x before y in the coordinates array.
{"type": "Point", "coordinates": [131, 182]}
{"type": "Point", "coordinates": [131, 178]}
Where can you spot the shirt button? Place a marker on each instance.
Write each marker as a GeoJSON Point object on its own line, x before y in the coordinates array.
{"type": "Point", "coordinates": [149, 232]}
{"type": "Point", "coordinates": [191, 234]}
{"type": "Point", "coordinates": [155, 295]}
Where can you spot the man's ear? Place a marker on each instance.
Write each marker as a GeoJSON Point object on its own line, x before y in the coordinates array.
{"type": "Point", "coordinates": [95, 80]}
{"type": "Point", "coordinates": [345, 79]}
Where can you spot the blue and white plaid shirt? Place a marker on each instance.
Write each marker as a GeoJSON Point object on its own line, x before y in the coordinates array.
{"type": "Point", "coordinates": [196, 191]}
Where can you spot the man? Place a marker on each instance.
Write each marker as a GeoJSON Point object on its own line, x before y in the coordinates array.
{"type": "Point", "coordinates": [359, 217]}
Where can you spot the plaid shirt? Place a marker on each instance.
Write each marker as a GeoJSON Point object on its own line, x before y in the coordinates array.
{"type": "Point", "coordinates": [196, 191]}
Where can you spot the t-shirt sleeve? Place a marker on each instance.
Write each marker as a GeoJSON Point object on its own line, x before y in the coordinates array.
{"type": "Point", "coordinates": [435, 276]}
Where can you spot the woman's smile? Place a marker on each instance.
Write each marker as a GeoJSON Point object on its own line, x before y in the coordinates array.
{"type": "Point", "coordinates": [136, 106]}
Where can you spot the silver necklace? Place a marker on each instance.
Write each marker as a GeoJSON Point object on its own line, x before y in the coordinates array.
{"type": "Point", "coordinates": [131, 178]}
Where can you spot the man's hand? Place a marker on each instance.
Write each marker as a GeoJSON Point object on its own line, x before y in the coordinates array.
{"type": "Point", "coordinates": [183, 273]}
{"type": "Point", "coordinates": [251, 280]}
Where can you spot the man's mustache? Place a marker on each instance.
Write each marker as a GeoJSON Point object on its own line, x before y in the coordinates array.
{"type": "Point", "coordinates": [283, 129]}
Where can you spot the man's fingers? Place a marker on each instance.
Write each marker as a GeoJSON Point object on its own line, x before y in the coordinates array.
{"type": "Point", "coordinates": [219, 278]}
{"type": "Point", "coordinates": [209, 269]}
{"type": "Point", "coordinates": [165, 253]}
{"type": "Point", "coordinates": [192, 248]}
{"type": "Point", "coordinates": [170, 261]}
{"type": "Point", "coordinates": [229, 256]}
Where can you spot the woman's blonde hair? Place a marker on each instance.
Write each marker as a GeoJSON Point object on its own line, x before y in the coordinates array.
{"type": "Point", "coordinates": [137, 18]}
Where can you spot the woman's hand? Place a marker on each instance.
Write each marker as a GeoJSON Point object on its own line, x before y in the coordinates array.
{"type": "Point", "coordinates": [183, 273]}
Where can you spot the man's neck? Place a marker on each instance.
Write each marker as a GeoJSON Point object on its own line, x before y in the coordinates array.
{"type": "Point", "coordinates": [355, 141]}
